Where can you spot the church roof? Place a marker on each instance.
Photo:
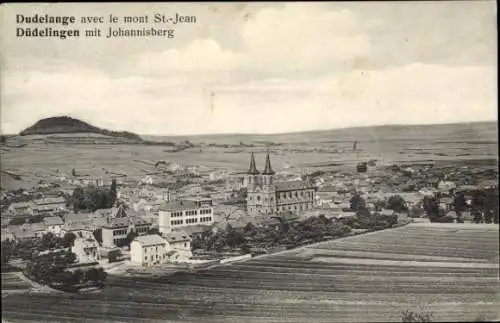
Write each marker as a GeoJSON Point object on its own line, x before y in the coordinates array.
{"type": "Point", "coordinates": [293, 185]}
{"type": "Point", "coordinates": [253, 169]}
{"type": "Point", "coordinates": [268, 170]}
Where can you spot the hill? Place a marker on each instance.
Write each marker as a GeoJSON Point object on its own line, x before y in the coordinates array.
{"type": "Point", "coordinates": [65, 125]}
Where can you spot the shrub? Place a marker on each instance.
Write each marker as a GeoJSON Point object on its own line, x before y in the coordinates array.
{"type": "Point", "coordinates": [415, 317]}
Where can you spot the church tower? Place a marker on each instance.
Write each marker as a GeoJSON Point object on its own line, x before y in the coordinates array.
{"type": "Point", "coordinates": [253, 196]}
{"type": "Point", "coordinates": [268, 188]}
{"type": "Point", "coordinates": [252, 174]}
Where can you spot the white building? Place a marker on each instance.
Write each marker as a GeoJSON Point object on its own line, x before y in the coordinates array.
{"type": "Point", "coordinates": [86, 249]}
{"type": "Point", "coordinates": [149, 250]}
{"type": "Point", "coordinates": [176, 215]}
{"type": "Point", "coordinates": [53, 224]}
{"type": "Point", "coordinates": [179, 244]}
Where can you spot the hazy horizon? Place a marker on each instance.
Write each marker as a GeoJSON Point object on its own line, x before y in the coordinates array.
{"type": "Point", "coordinates": [258, 68]}
{"type": "Point", "coordinates": [279, 133]}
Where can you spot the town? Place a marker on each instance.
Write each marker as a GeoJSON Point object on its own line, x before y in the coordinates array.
{"type": "Point", "coordinates": [70, 231]}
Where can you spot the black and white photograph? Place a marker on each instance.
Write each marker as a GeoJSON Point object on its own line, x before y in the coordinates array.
{"type": "Point", "coordinates": [249, 162]}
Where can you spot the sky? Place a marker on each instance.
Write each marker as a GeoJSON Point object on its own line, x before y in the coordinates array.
{"type": "Point", "coordinates": [272, 67]}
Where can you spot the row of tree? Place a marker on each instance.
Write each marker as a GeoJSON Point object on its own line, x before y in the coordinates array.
{"type": "Point", "coordinates": [483, 207]}
{"type": "Point", "coordinates": [282, 233]}
{"type": "Point", "coordinates": [94, 198]}
{"type": "Point", "coordinates": [26, 249]}
{"type": "Point", "coordinates": [395, 203]}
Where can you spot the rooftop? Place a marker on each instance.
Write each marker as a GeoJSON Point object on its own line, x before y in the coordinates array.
{"type": "Point", "coordinates": [179, 205]}
{"type": "Point", "coordinates": [76, 217]}
{"type": "Point", "coordinates": [53, 220]}
{"type": "Point", "coordinates": [51, 200]}
{"type": "Point", "coordinates": [293, 185]}
{"type": "Point", "coordinates": [19, 205]}
{"type": "Point", "coordinates": [150, 240]}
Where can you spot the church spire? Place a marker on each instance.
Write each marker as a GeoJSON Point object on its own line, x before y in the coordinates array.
{"type": "Point", "coordinates": [268, 170]}
{"type": "Point", "coordinates": [253, 169]}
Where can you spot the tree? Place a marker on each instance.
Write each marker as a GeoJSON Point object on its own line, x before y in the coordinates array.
{"type": "Point", "coordinates": [249, 229]}
{"type": "Point", "coordinates": [113, 192]}
{"type": "Point", "coordinates": [415, 317]}
{"type": "Point", "coordinates": [98, 235]}
{"type": "Point", "coordinates": [397, 203]}
{"type": "Point", "coordinates": [130, 237]}
{"type": "Point", "coordinates": [477, 216]}
{"type": "Point", "coordinates": [69, 258]}
{"type": "Point", "coordinates": [460, 205]}
{"type": "Point", "coordinates": [92, 275]}
{"type": "Point", "coordinates": [431, 208]}
{"type": "Point", "coordinates": [69, 239]}
{"type": "Point", "coordinates": [79, 276]}
{"type": "Point", "coordinates": [48, 241]}
{"type": "Point", "coordinates": [7, 251]}
{"type": "Point", "coordinates": [101, 275]}
{"type": "Point", "coordinates": [356, 202]}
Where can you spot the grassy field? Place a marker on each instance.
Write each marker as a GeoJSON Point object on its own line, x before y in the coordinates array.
{"type": "Point", "coordinates": [449, 270]}
{"type": "Point", "coordinates": [12, 282]}
{"type": "Point", "coordinates": [470, 143]}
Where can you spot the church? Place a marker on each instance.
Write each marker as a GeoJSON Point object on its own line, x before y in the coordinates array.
{"type": "Point", "coordinates": [264, 196]}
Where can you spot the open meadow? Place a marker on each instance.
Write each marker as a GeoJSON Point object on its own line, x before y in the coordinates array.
{"type": "Point", "coordinates": [468, 143]}
{"type": "Point", "coordinates": [450, 270]}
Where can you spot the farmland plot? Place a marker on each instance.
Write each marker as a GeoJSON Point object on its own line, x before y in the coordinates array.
{"type": "Point", "coordinates": [449, 270]}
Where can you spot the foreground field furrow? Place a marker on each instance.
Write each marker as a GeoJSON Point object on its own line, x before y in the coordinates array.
{"type": "Point", "coordinates": [365, 278]}
{"type": "Point", "coordinates": [254, 274]}
{"type": "Point", "coordinates": [242, 310]}
{"type": "Point", "coordinates": [296, 263]}
{"type": "Point", "coordinates": [486, 252]}
{"type": "Point", "coordinates": [388, 256]}
{"type": "Point", "coordinates": [351, 272]}
{"type": "Point", "coordinates": [279, 283]}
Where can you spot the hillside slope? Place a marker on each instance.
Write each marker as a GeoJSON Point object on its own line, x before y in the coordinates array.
{"type": "Point", "coordinates": [59, 125]}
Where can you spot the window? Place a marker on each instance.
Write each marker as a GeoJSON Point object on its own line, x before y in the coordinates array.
{"type": "Point", "coordinates": [258, 197]}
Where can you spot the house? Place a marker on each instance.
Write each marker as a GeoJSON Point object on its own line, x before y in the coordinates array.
{"type": "Point", "coordinates": [182, 213]}
{"type": "Point", "coordinates": [149, 250]}
{"type": "Point", "coordinates": [428, 191]}
{"type": "Point", "coordinates": [7, 235]}
{"type": "Point", "coordinates": [27, 230]}
{"type": "Point", "coordinates": [116, 229]}
{"type": "Point", "coordinates": [86, 249]}
{"type": "Point", "coordinates": [49, 205]}
{"type": "Point", "coordinates": [446, 186]}
{"type": "Point", "coordinates": [179, 243]}
{"type": "Point", "coordinates": [386, 212]}
{"type": "Point", "coordinates": [20, 208]}
{"type": "Point", "coordinates": [53, 224]}
{"type": "Point", "coordinates": [75, 219]}
{"type": "Point", "coordinates": [446, 203]}
{"type": "Point", "coordinates": [78, 230]}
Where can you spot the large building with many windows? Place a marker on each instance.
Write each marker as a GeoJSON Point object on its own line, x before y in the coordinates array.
{"type": "Point", "coordinates": [178, 214]}
{"type": "Point", "coordinates": [266, 197]}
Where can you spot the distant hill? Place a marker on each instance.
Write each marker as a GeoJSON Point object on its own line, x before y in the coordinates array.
{"type": "Point", "coordinates": [66, 125]}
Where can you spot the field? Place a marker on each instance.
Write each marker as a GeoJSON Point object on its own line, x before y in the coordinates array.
{"type": "Point", "coordinates": [13, 282]}
{"type": "Point", "coordinates": [449, 270]}
{"type": "Point", "coordinates": [469, 143]}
